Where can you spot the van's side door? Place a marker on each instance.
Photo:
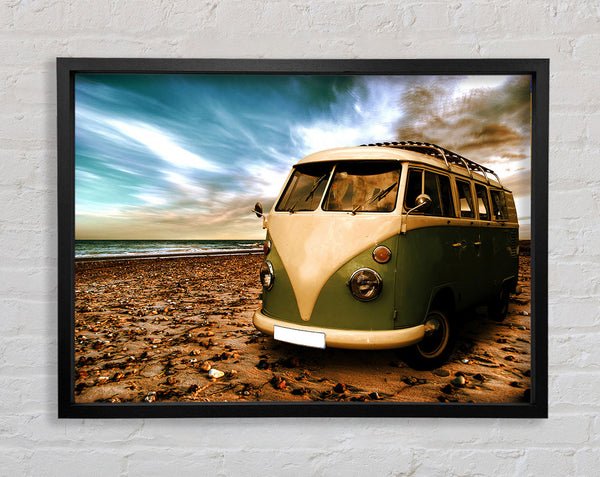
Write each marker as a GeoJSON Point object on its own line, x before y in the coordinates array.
{"type": "Point", "coordinates": [468, 245]}
{"type": "Point", "coordinates": [427, 260]}
{"type": "Point", "coordinates": [490, 268]}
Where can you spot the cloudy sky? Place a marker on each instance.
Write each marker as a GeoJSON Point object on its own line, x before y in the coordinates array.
{"type": "Point", "coordinates": [187, 156]}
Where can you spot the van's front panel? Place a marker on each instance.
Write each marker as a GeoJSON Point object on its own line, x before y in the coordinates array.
{"type": "Point", "coordinates": [335, 306]}
{"type": "Point", "coordinates": [312, 248]}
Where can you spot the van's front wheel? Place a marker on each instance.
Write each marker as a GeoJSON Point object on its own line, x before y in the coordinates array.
{"type": "Point", "coordinates": [437, 344]}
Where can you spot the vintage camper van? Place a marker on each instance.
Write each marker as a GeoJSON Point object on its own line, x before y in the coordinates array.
{"type": "Point", "coordinates": [382, 246]}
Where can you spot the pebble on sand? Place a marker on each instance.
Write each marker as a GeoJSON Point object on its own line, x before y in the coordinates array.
{"type": "Point", "coordinates": [215, 373]}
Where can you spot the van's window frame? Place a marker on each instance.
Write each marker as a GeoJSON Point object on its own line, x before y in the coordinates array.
{"type": "Point", "coordinates": [502, 194]}
{"type": "Point", "coordinates": [468, 182]}
{"type": "Point", "coordinates": [437, 173]}
{"type": "Point", "coordinates": [331, 168]}
{"type": "Point", "coordinates": [486, 203]}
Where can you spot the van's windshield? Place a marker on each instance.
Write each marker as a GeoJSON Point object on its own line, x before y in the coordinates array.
{"type": "Point", "coordinates": [355, 187]}
{"type": "Point", "coordinates": [363, 187]}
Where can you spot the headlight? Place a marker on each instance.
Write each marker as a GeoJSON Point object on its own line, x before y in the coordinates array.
{"type": "Point", "coordinates": [365, 284]}
{"type": "Point", "coordinates": [267, 277]}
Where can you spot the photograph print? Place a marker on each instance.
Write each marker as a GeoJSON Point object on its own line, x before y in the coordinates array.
{"type": "Point", "coordinates": [302, 238]}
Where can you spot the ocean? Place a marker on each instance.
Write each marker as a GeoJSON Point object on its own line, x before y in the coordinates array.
{"type": "Point", "coordinates": [103, 249]}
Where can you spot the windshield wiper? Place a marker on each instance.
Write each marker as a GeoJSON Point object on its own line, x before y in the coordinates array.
{"type": "Point", "coordinates": [375, 198]}
{"type": "Point", "coordinates": [311, 192]}
{"type": "Point", "coordinates": [314, 187]}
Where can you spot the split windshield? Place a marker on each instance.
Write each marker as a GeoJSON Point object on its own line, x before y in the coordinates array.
{"type": "Point", "coordinates": [305, 188]}
{"type": "Point", "coordinates": [355, 187]}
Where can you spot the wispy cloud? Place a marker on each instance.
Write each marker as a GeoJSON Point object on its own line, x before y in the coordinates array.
{"type": "Point", "coordinates": [163, 146]}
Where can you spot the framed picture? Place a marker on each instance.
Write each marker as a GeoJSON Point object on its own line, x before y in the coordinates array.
{"type": "Point", "coordinates": [332, 238]}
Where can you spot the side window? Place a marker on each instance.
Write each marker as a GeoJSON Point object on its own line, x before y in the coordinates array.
{"type": "Point", "coordinates": [413, 187]}
{"type": "Point", "coordinates": [438, 188]}
{"type": "Point", "coordinates": [465, 199]}
{"type": "Point", "coordinates": [482, 202]}
{"type": "Point", "coordinates": [499, 205]}
{"type": "Point", "coordinates": [431, 189]}
{"type": "Point", "coordinates": [435, 186]}
{"type": "Point", "coordinates": [446, 195]}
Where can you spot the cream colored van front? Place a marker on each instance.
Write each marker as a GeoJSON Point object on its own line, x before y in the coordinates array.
{"type": "Point", "coordinates": [314, 245]}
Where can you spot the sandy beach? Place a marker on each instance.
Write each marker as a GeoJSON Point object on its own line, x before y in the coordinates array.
{"type": "Point", "coordinates": [156, 329]}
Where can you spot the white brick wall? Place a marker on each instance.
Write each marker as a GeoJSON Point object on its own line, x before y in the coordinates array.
{"type": "Point", "coordinates": [33, 442]}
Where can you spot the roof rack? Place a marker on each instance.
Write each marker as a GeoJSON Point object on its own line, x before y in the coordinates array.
{"type": "Point", "coordinates": [447, 156]}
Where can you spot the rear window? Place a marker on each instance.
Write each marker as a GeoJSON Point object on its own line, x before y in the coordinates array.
{"type": "Point", "coordinates": [499, 205]}
{"type": "Point", "coordinates": [305, 188]}
{"type": "Point", "coordinates": [363, 187]}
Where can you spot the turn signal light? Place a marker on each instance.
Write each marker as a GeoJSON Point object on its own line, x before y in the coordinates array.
{"type": "Point", "coordinates": [267, 247]}
{"type": "Point", "coordinates": [382, 254]}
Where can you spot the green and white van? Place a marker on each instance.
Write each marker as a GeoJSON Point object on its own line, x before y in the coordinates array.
{"type": "Point", "coordinates": [382, 245]}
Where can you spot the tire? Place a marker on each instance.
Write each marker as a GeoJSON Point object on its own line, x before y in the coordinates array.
{"type": "Point", "coordinates": [498, 307]}
{"type": "Point", "coordinates": [437, 345]}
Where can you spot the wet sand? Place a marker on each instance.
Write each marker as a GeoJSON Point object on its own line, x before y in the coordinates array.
{"type": "Point", "coordinates": [151, 330]}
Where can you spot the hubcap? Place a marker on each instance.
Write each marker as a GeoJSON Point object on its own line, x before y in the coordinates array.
{"type": "Point", "coordinates": [436, 336]}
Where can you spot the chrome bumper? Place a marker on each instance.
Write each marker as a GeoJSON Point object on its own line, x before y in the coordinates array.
{"type": "Point", "coordinates": [348, 339]}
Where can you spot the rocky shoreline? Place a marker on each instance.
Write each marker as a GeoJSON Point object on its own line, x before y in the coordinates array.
{"type": "Point", "coordinates": [180, 329]}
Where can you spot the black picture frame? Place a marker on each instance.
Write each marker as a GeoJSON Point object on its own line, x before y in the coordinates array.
{"type": "Point", "coordinates": [67, 68]}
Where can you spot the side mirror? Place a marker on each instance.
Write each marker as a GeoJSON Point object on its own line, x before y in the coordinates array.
{"type": "Point", "coordinates": [423, 202]}
{"type": "Point", "coordinates": [258, 210]}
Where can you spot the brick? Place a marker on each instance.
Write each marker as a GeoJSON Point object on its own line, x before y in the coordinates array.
{"type": "Point", "coordinates": [30, 355]}
{"type": "Point", "coordinates": [575, 388]}
{"type": "Point", "coordinates": [15, 461]}
{"type": "Point", "coordinates": [563, 92]}
{"type": "Point", "coordinates": [561, 204]}
{"type": "Point", "coordinates": [575, 279]}
{"type": "Point", "coordinates": [94, 16]}
{"type": "Point", "coordinates": [445, 462]}
{"type": "Point", "coordinates": [574, 313]}
{"type": "Point", "coordinates": [587, 461]}
{"type": "Point", "coordinates": [562, 350]}
{"type": "Point", "coordinates": [377, 18]}
{"type": "Point", "coordinates": [21, 395]}
{"type": "Point", "coordinates": [512, 434]}
{"type": "Point", "coordinates": [548, 462]}
{"type": "Point", "coordinates": [38, 16]}
{"type": "Point", "coordinates": [585, 48]}
{"type": "Point", "coordinates": [89, 462]}
{"type": "Point", "coordinates": [13, 311]}
{"type": "Point", "coordinates": [558, 49]}
{"type": "Point", "coordinates": [165, 461]}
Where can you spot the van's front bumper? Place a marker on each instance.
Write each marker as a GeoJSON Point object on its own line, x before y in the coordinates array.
{"type": "Point", "coordinates": [348, 339]}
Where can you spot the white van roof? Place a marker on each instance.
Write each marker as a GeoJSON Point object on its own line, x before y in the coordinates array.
{"type": "Point", "coordinates": [408, 151]}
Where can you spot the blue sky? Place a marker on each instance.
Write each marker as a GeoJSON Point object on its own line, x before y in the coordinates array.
{"type": "Point", "coordinates": [187, 156]}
